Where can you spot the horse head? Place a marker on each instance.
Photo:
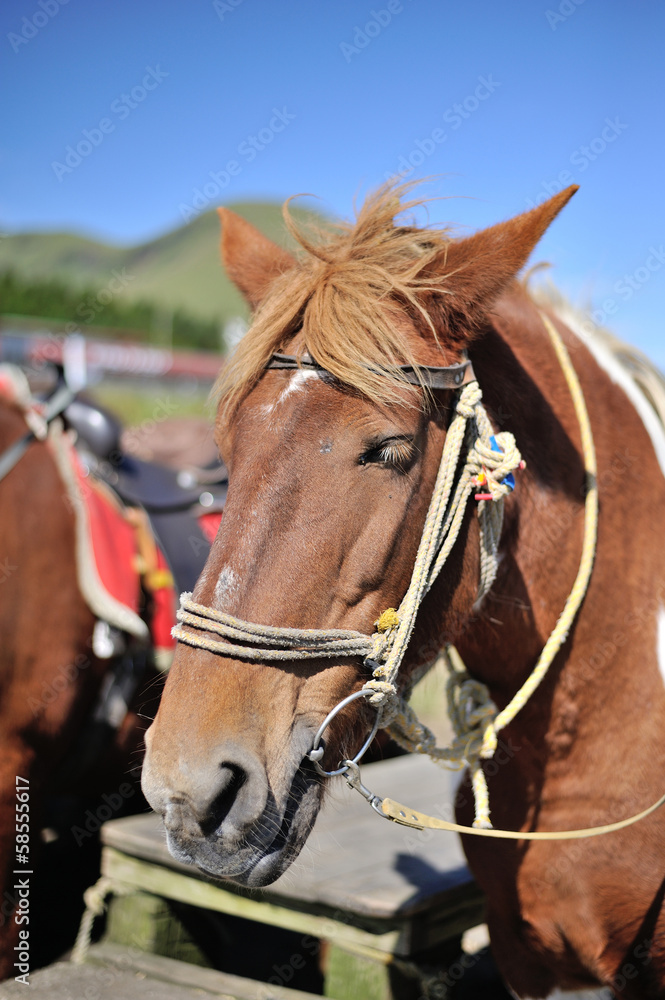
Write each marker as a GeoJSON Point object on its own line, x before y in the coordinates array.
{"type": "Point", "coordinates": [332, 467]}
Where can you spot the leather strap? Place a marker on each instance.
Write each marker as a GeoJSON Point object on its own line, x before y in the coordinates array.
{"type": "Point", "coordinates": [451, 377]}
{"type": "Point", "coordinates": [55, 406]}
{"type": "Point", "coordinates": [398, 813]}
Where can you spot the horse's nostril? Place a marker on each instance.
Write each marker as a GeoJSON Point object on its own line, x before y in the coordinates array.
{"type": "Point", "coordinates": [232, 779]}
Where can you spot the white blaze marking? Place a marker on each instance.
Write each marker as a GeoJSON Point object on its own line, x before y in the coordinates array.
{"type": "Point", "coordinates": [621, 377]}
{"type": "Point", "coordinates": [226, 585]}
{"type": "Point", "coordinates": [296, 382]}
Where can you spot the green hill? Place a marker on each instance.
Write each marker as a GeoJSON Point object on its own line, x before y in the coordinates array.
{"type": "Point", "coordinates": [179, 270]}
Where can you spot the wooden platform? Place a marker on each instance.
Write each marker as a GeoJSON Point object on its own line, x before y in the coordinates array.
{"type": "Point", "coordinates": [112, 974]}
{"type": "Point", "coordinates": [373, 891]}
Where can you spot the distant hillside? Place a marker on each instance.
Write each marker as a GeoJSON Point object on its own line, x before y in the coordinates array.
{"type": "Point", "coordinates": [181, 269]}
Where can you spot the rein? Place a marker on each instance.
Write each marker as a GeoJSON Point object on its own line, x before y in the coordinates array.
{"type": "Point", "coordinates": [489, 462]}
{"type": "Point", "coordinates": [38, 420]}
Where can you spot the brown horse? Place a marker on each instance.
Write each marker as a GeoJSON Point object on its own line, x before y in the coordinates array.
{"type": "Point", "coordinates": [332, 470]}
{"type": "Point", "coordinates": [45, 626]}
{"type": "Point", "coordinates": [49, 680]}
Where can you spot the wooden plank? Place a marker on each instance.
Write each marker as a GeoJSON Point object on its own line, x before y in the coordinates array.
{"type": "Point", "coordinates": [148, 923]}
{"type": "Point", "coordinates": [354, 860]}
{"type": "Point", "coordinates": [65, 981]}
{"type": "Point", "coordinates": [161, 881]}
{"type": "Point", "coordinates": [350, 976]}
{"type": "Point", "coordinates": [169, 970]}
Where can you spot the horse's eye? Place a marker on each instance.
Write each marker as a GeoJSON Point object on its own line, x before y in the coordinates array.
{"type": "Point", "coordinates": [397, 453]}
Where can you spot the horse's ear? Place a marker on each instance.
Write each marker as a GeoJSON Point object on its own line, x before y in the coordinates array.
{"type": "Point", "coordinates": [252, 261]}
{"type": "Point", "coordinates": [477, 269]}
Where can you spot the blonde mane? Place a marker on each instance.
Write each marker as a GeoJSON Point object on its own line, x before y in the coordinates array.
{"type": "Point", "coordinates": [341, 298]}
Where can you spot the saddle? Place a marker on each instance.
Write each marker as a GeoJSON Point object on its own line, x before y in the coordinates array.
{"type": "Point", "coordinates": [183, 505]}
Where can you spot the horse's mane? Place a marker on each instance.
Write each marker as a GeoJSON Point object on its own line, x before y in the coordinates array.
{"type": "Point", "coordinates": [341, 297]}
{"type": "Point", "coordinates": [646, 375]}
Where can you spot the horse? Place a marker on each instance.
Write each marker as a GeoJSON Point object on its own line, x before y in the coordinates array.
{"type": "Point", "coordinates": [333, 428]}
{"type": "Point", "coordinates": [51, 679]}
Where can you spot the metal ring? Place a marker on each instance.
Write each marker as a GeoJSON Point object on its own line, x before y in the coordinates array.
{"type": "Point", "coordinates": [314, 754]}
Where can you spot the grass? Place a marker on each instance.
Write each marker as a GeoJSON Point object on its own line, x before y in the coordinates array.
{"type": "Point", "coordinates": [137, 403]}
{"type": "Point", "coordinates": [430, 704]}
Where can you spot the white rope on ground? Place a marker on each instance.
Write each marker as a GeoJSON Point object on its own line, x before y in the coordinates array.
{"type": "Point", "coordinates": [95, 904]}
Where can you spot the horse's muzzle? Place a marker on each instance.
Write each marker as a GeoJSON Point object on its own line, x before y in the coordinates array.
{"type": "Point", "coordinates": [222, 815]}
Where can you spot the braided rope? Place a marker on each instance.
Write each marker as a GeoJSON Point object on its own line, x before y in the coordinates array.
{"type": "Point", "coordinates": [470, 708]}
{"type": "Point", "coordinates": [293, 643]}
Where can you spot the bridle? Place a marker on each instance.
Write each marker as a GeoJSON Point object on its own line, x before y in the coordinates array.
{"type": "Point", "coordinates": [428, 376]}
{"type": "Point", "coordinates": [475, 718]}
{"type": "Point", "coordinates": [471, 450]}
{"type": "Point", "coordinates": [38, 422]}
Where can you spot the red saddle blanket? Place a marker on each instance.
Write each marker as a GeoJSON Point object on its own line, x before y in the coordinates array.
{"type": "Point", "coordinates": [123, 574]}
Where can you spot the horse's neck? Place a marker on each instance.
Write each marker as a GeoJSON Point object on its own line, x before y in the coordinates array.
{"type": "Point", "coordinates": [541, 544]}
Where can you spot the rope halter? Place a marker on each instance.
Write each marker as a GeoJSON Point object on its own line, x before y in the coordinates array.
{"type": "Point", "coordinates": [473, 457]}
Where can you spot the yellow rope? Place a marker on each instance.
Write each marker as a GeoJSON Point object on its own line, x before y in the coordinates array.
{"type": "Point", "coordinates": [576, 596]}
{"type": "Point", "coordinates": [386, 647]}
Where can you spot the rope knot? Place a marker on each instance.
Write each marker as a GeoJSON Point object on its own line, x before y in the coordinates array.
{"type": "Point", "coordinates": [469, 399]}
{"type": "Point", "coordinates": [387, 619]}
{"type": "Point", "coordinates": [385, 699]}
{"type": "Point", "coordinates": [494, 459]}
{"type": "Point", "coordinates": [471, 710]}
{"type": "Point", "coordinates": [383, 691]}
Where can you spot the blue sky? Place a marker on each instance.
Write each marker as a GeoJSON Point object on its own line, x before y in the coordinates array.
{"type": "Point", "coordinates": [261, 99]}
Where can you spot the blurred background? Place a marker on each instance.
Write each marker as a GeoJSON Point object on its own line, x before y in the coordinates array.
{"type": "Point", "coordinates": [126, 125]}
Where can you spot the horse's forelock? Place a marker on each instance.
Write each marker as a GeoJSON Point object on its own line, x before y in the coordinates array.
{"type": "Point", "coordinates": [343, 299]}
